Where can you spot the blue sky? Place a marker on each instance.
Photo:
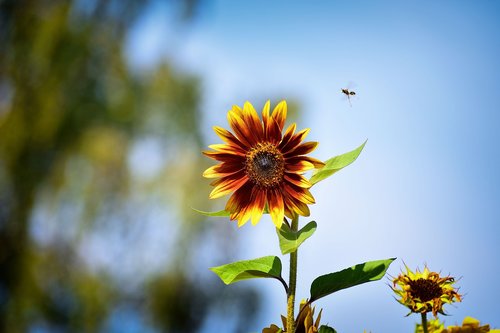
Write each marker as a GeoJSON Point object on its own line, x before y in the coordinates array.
{"type": "Point", "coordinates": [426, 187]}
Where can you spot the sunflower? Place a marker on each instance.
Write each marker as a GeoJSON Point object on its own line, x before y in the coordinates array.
{"type": "Point", "coordinates": [305, 322]}
{"type": "Point", "coordinates": [469, 325]}
{"type": "Point", "coordinates": [433, 326]}
{"type": "Point", "coordinates": [261, 166]}
{"type": "Point", "coordinates": [305, 319]}
{"type": "Point", "coordinates": [425, 291]}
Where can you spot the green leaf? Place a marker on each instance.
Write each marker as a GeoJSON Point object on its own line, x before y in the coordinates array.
{"type": "Point", "coordinates": [220, 213]}
{"type": "Point", "coordinates": [291, 240]}
{"type": "Point", "coordinates": [335, 164]}
{"type": "Point", "coordinates": [326, 329]}
{"type": "Point", "coordinates": [265, 267]}
{"type": "Point", "coordinates": [349, 277]}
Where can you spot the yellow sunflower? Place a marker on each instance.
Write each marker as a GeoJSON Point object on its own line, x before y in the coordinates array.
{"type": "Point", "coordinates": [261, 166]}
{"type": "Point", "coordinates": [425, 291]}
{"type": "Point", "coordinates": [469, 325]}
{"type": "Point", "coordinates": [433, 326]}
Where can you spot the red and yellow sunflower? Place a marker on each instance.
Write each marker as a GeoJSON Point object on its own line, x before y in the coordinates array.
{"type": "Point", "coordinates": [261, 166]}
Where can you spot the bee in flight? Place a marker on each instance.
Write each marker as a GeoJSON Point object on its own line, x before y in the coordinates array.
{"type": "Point", "coordinates": [348, 93]}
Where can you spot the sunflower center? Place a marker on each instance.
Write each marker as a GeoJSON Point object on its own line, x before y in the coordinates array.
{"type": "Point", "coordinates": [425, 289]}
{"type": "Point", "coordinates": [265, 165]}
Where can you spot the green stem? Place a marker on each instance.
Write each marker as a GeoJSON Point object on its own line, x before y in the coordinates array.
{"type": "Point", "coordinates": [424, 321]}
{"type": "Point", "coordinates": [292, 283]}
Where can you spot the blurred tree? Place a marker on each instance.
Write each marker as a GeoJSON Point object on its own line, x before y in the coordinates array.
{"type": "Point", "coordinates": [73, 118]}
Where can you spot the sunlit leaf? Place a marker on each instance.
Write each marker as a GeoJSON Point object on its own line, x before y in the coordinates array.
{"type": "Point", "coordinates": [265, 267]}
{"type": "Point", "coordinates": [220, 213]}
{"type": "Point", "coordinates": [291, 240]}
{"type": "Point", "coordinates": [349, 277]}
{"type": "Point", "coordinates": [335, 164]}
{"type": "Point", "coordinates": [272, 329]}
{"type": "Point", "coordinates": [326, 329]}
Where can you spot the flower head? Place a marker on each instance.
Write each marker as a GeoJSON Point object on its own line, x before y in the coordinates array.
{"type": "Point", "coordinates": [425, 291]}
{"type": "Point", "coordinates": [469, 325]}
{"type": "Point", "coordinates": [433, 326]}
{"type": "Point", "coordinates": [262, 166]}
{"type": "Point", "coordinates": [304, 323]}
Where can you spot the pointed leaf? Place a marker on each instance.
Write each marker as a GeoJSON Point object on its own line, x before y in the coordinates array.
{"type": "Point", "coordinates": [220, 213]}
{"type": "Point", "coordinates": [291, 240]}
{"type": "Point", "coordinates": [326, 329]}
{"type": "Point", "coordinates": [272, 329]}
{"type": "Point", "coordinates": [335, 164]}
{"type": "Point", "coordinates": [349, 277]}
{"type": "Point", "coordinates": [265, 267]}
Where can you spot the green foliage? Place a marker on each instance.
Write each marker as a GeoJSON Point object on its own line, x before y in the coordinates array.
{"type": "Point", "coordinates": [72, 116]}
{"type": "Point", "coordinates": [335, 164]}
{"type": "Point", "coordinates": [349, 277]}
{"type": "Point", "coordinates": [326, 329]}
{"type": "Point", "coordinates": [264, 267]}
{"type": "Point", "coordinates": [220, 213]}
{"type": "Point", "coordinates": [290, 240]}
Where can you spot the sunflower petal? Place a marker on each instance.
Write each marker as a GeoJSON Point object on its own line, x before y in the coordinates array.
{"type": "Point", "coordinates": [276, 207]}
{"type": "Point", "coordinates": [228, 185]}
{"type": "Point", "coordinates": [287, 136]}
{"type": "Point", "coordinates": [224, 157]}
{"type": "Point", "coordinates": [239, 127]}
{"type": "Point", "coordinates": [237, 109]}
{"type": "Point", "coordinates": [297, 165]}
{"type": "Point", "coordinates": [243, 216]}
{"type": "Point", "coordinates": [317, 163]}
{"type": "Point", "coordinates": [265, 114]}
{"type": "Point", "coordinates": [238, 203]}
{"type": "Point", "coordinates": [273, 131]}
{"type": "Point", "coordinates": [210, 172]}
{"type": "Point", "coordinates": [228, 137]}
{"type": "Point", "coordinates": [295, 140]}
{"type": "Point", "coordinates": [259, 201]}
{"type": "Point", "coordinates": [222, 170]}
{"type": "Point", "coordinates": [225, 148]}
{"type": "Point", "coordinates": [299, 193]}
{"type": "Point", "coordinates": [297, 180]}
{"type": "Point", "coordinates": [246, 209]}
{"type": "Point", "coordinates": [297, 206]}
{"type": "Point", "coordinates": [252, 119]}
{"type": "Point", "coordinates": [279, 114]}
{"type": "Point", "coordinates": [303, 149]}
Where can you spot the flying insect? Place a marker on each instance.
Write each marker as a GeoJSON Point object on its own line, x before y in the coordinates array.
{"type": "Point", "coordinates": [348, 93]}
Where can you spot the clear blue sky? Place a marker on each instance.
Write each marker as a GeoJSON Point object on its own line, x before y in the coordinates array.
{"type": "Point", "coordinates": [426, 188]}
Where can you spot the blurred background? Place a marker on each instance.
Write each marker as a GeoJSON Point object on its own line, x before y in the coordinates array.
{"type": "Point", "coordinates": [105, 107]}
